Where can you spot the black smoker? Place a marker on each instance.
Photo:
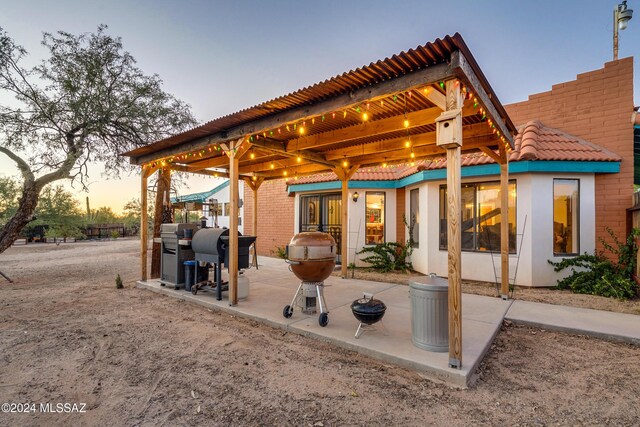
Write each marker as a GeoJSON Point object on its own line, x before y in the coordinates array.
{"type": "Point", "coordinates": [175, 250]}
{"type": "Point", "coordinates": [210, 245]}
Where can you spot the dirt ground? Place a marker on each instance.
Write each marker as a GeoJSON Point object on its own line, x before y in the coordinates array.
{"type": "Point", "coordinates": [549, 296]}
{"type": "Point", "coordinates": [138, 358]}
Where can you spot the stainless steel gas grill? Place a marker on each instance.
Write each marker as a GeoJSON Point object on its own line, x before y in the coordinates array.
{"type": "Point", "coordinates": [175, 250]}
{"type": "Point", "coordinates": [211, 245]}
{"type": "Point", "coordinates": [311, 257]}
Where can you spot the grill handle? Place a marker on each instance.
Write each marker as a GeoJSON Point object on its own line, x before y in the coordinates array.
{"type": "Point", "coordinates": [288, 261]}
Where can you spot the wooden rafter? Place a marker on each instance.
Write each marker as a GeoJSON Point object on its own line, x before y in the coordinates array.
{"type": "Point", "coordinates": [464, 72]}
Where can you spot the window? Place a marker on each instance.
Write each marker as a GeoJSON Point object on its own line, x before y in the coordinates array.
{"type": "Point", "coordinates": [481, 217]}
{"type": "Point", "coordinates": [565, 216]}
{"type": "Point", "coordinates": [374, 218]}
{"type": "Point", "coordinates": [414, 215]}
{"type": "Point", "coordinates": [218, 208]}
{"type": "Point", "coordinates": [227, 206]}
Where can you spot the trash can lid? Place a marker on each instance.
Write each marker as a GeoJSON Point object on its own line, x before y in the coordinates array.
{"type": "Point", "coordinates": [192, 262]}
{"type": "Point", "coordinates": [429, 283]}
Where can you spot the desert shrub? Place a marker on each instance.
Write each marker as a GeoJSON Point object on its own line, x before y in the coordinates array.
{"type": "Point", "coordinates": [119, 284]}
{"type": "Point", "coordinates": [596, 274]}
{"type": "Point", "coordinates": [280, 252]}
{"type": "Point", "coordinates": [388, 256]}
{"type": "Point", "coordinates": [115, 234]}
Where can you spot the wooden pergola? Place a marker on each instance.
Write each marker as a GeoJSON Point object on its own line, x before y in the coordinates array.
{"type": "Point", "coordinates": [420, 104]}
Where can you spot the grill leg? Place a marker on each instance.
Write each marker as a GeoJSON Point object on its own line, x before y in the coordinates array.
{"type": "Point", "coordinates": [360, 330]}
{"type": "Point", "coordinates": [321, 299]}
{"type": "Point", "coordinates": [219, 280]}
{"type": "Point", "coordinates": [295, 297]}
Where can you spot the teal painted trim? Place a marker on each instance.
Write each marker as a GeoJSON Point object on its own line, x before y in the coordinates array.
{"type": "Point", "coordinates": [468, 172]}
{"type": "Point", "coordinates": [564, 166]}
{"type": "Point", "coordinates": [336, 185]}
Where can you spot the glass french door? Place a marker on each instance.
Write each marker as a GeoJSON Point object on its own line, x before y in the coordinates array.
{"type": "Point", "coordinates": [322, 212]}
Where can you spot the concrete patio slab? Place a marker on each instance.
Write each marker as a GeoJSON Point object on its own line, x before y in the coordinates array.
{"type": "Point", "coordinates": [596, 323]}
{"type": "Point", "coordinates": [273, 286]}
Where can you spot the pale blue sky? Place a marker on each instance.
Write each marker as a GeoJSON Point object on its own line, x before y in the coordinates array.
{"type": "Point", "coordinates": [222, 56]}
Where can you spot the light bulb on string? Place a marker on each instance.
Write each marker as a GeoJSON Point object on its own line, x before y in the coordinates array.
{"type": "Point", "coordinates": [252, 155]}
{"type": "Point", "coordinates": [365, 116]}
{"type": "Point", "coordinates": [301, 130]}
{"type": "Point", "coordinates": [272, 166]}
{"type": "Point", "coordinates": [298, 159]}
{"type": "Point", "coordinates": [345, 163]}
{"type": "Point", "coordinates": [407, 143]}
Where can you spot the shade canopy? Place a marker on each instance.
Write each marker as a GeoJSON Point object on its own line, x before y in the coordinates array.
{"type": "Point", "coordinates": [380, 114]}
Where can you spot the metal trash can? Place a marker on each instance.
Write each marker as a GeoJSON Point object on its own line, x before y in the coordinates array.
{"type": "Point", "coordinates": [189, 275]}
{"type": "Point", "coordinates": [430, 313]}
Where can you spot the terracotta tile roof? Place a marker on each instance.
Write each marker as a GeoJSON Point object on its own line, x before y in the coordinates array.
{"type": "Point", "coordinates": [534, 142]}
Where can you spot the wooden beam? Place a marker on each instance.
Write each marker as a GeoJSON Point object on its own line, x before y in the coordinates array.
{"type": "Point", "coordinates": [489, 152]}
{"type": "Point", "coordinates": [504, 223]}
{"type": "Point", "coordinates": [436, 97]}
{"type": "Point", "coordinates": [374, 127]}
{"type": "Point", "coordinates": [469, 132]}
{"type": "Point", "coordinates": [454, 233]}
{"type": "Point", "coordinates": [464, 72]}
{"type": "Point", "coordinates": [410, 81]}
{"type": "Point", "coordinates": [278, 148]}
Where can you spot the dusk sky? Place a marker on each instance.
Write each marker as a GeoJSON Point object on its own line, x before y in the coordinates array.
{"type": "Point", "coordinates": [223, 56]}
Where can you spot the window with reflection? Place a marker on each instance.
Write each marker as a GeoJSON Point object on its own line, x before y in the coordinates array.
{"type": "Point", "coordinates": [566, 193]}
{"type": "Point", "coordinates": [481, 217]}
{"type": "Point", "coordinates": [374, 219]}
{"type": "Point", "coordinates": [414, 215]}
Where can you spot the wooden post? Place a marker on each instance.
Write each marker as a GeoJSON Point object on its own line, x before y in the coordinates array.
{"type": "Point", "coordinates": [504, 223]}
{"type": "Point", "coordinates": [162, 199]}
{"type": "Point", "coordinates": [344, 174]}
{"type": "Point", "coordinates": [233, 230]}
{"type": "Point", "coordinates": [452, 142]}
{"type": "Point", "coordinates": [254, 185]}
{"type": "Point", "coordinates": [234, 151]}
{"type": "Point", "coordinates": [144, 230]}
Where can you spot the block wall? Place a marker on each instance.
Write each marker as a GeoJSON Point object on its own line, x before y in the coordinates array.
{"type": "Point", "coordinates": [597, 107]}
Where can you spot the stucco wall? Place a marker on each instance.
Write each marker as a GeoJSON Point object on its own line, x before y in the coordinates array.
{"type": "Point", "coordinates": [535, 202]}
{"type": "Point", "coordinates": [222, 197]}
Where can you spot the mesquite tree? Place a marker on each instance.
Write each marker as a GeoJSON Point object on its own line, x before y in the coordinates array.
{"type": "Point", "coordinates": [86, 103]}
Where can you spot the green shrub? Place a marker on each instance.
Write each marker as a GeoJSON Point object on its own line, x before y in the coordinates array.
{"type": "Point", "coordinates": [280, 252]}
{"type": "Point", "coordinates": [388, 256]}
{"type": "Point", "coordinates": [115, 234]}
{"type": "Point", "coordinates": [119, 284]}
{"type": "Point", "coordinates": [598, 275]}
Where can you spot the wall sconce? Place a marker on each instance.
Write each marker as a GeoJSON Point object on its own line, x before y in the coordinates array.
{"type": "Point", "coordinates": [355, 196]}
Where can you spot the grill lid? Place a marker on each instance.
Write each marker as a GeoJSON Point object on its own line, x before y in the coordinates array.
{"type": "Point", "coordinates": [311, 245]}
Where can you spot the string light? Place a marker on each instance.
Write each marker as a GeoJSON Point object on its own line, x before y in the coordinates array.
{"type": "Point", "coordinates": [301, 130]}
{"type": "Point", "coordinates": [272, 166]}
{"type": "Point", "coordinates": [252, 155]}
{"type": "Point", "coordinates": [406, 123]}
{"type": "Point", "coordinates": [407, 143]}
{"type": "Point", "coordinates": [298, 159]}
{"type": "Point", "coordinates": [345, 163]}
{"type": "Point", "coordinates": [365, 116]}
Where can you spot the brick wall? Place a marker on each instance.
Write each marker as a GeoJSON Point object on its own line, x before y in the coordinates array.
{"type": "Point", "coordinates": [275, 215]}
{"type": "Point", "coordinates": [597, 107]}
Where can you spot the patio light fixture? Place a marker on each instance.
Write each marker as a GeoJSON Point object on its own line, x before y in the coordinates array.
{"type": "Point", "coordinates": [621, 18]}
{"type": "Point", "coordinates": [355, 197]}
